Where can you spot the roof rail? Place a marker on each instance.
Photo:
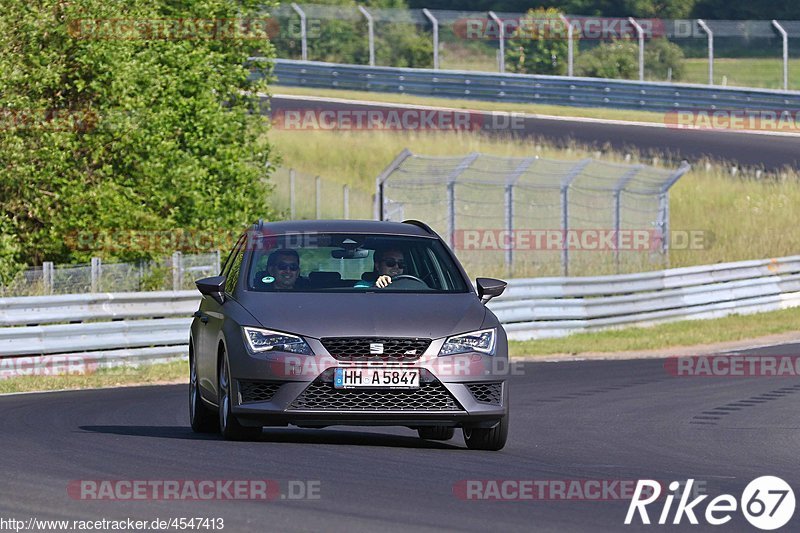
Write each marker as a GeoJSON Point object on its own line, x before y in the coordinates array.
{"type": "Point", "coordinates": [419, 224]}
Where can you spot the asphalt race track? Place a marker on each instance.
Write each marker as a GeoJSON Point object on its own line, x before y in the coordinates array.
{"type": "Point", "coordinates": [590, 420]}
{"type": "Point", "coordinates": [768, 152]}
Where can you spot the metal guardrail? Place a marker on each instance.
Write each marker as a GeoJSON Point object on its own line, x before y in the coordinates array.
{"type": "Point", "coordinates": [114, 329]}
{"type": "Point", "coordinates": [103, 329]}
{"type": "Point", "coordinates": [558, 90]}
{"type": "Point", "coordinates": [553, 307]}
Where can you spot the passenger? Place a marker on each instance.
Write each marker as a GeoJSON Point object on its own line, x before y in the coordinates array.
{"type": "Point", "coordinates": [284, 266]}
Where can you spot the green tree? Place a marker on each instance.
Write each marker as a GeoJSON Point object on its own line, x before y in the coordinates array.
{"type": "Point", "coordinates": [109, 126]}
{"type": "Point", "coordinates": [620, 59]}
{"type": "Point", "coordinates": [540, 44]}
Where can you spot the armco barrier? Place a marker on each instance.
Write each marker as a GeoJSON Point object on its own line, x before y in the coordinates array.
{"type": "Point", "coordinates": [560, 90]}
{"type": "Point", "coordinates": [110, 329]}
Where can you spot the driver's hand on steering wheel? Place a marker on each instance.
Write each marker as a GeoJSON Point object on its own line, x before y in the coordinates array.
{"type": "Point", "coordinates": [383, 281]}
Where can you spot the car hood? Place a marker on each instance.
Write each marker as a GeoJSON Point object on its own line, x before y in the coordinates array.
{"type": "Point", "coordinates": [366, 314]}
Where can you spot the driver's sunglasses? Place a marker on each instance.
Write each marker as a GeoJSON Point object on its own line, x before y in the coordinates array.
{"type": "Point", "coordinates": [391, 263]}
{"type": "Point", "coordinates": [288, 266]}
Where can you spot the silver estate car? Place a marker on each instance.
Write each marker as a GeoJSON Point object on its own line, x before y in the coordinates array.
{"type": "Point", "coordinates": [318, 323]}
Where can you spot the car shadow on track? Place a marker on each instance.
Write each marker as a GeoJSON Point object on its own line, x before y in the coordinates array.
{"type": "Point", "coordinates": [281, 435]}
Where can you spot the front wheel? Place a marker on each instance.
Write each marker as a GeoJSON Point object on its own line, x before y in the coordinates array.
{"type": "Point", "coordinates": [201, 417]}
{"type": "Point", "coordinates": [230, 428]}
{"type": "Point", "coordinates": [491, 439]}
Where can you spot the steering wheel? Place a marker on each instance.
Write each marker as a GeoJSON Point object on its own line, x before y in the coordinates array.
{"type": "Point", "coordinates": [410, 281]}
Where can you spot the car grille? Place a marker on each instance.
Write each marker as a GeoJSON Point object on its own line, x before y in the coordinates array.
{"type": "Point", "coordinates": [358, 348]}
{"type": "Point", "coordinates": [487, 392]}
{"type": "Point", "coordinates": [322, 396]}
{"type": "Point", "coordinates": [257, 391]}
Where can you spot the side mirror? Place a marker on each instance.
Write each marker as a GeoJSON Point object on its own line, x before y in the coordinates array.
{"type": "Point", "coordinates": [488, 288]}
{"type": "Point", "coordinates": [214, 287]}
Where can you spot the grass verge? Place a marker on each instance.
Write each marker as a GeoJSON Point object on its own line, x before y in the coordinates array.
{"type": "Point", "coordinates": [478, 105]}
{"type": "Point", "coordinates": [766, 72]}
{"type": "Point", "coordinates": [676, 334]}
{"type": "Point", "coordinates": [104, 377]}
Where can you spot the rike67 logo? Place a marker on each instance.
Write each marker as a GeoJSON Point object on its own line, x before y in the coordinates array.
{"type": "Point", "coordinates": [767, 503]}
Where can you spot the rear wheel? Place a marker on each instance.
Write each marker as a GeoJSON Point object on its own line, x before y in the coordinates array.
{"type": "Point", "coordinates": [436, 433]}
{"type": "Point", "coordinates": [202, 418]}
{"type": "Point", "coordinates": [229, 426]}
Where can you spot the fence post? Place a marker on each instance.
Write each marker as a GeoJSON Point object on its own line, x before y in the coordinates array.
{"type": "Point", "coordinates": [501, 60]}
{"type": "Point", "coordinates": [318, 187]}
{"type": "Point", "coordinates": [346, 201]}
{"type": "Point", "coordinates": [785, 38]}
{"type": "Point", "coordinates": [383, 176]}
{"type": "Point", "coordinates": [291, 194]}
{"type": "Point", "coordinates": [435, 24]}
{"type": "Point", "coordinates": [371, 30]}
{"type": "Point", "coordinates": [177, 271]}
{"type": "Point", "coordinates": [618, 188]}
{"type": "Point", "coordinates": [710, 34]}
{"type": "Point", "coordinates": [663, 208]}
{"type": "Point", "coordinates": [570, 45]}
{"type": "Point", "coordinates": [451, 196]}
{"type": "Point", "coordinates": [47, 277]}
{"type": "Point", "coordinates": [303, 32]}
{"type": "Point", "coordinates": [640, 34]}
{"type": "Point", "coordinates": [510, 182]}
{"type": "Point", "coordinates": [96, 273]}
{"type": "Point", "coordinates": [217, 262]}
{"type": "Point", "coordinates": [565, 184]}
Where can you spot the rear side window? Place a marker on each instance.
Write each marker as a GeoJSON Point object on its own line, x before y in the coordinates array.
{"type": "Point", "coordinates": [234, 267]}
{"type": "Point", "coordinates": [226, 268]}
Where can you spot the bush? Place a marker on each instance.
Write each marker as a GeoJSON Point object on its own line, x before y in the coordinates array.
{"type": "Point", "coordinates": [620, 59]}
{"type": "Point", "coordinates": [101, 132]}
{"type": "Point", "coordinates": [540, 44]}
{"type": "Point", "coordinates": [397, 44]}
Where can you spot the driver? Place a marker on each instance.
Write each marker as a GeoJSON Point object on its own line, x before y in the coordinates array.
{"type": "Point", "coordinates": [388, 264]}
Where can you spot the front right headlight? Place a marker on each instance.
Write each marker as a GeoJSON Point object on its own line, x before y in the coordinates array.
{"type": "Point", "coordinates": [264, 340]}
{"type": "Point", "coordinates": [475, 341]}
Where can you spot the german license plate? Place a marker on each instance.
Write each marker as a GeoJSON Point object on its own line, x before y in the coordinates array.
{"type": "Point", "coordinates": [380, 378]}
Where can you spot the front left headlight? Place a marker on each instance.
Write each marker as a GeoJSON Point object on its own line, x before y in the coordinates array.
{"type": "Point", "coordinates": [476, 341]}
{"type": "Point", "coordinates": [264, 340]}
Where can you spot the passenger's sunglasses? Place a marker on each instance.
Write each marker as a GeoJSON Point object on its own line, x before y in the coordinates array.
{"type": "Point", "coordinates": [288, 266]}
{"type": "Point", "coordinates": [391, 263]}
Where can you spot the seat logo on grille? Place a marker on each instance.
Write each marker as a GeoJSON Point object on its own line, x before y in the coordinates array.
{"type": "Point", "coordinates": [376, 348]}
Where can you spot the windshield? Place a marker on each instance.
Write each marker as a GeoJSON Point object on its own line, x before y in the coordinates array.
{"type": "Point", "coordinates": [351, 263]}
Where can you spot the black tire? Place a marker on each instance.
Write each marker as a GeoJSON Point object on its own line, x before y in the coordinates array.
{"type": "Point", "coordinates": [229, 426]}
{"type": "Point", "coordinates": [436, 433]}
{"type": "Point", "coordinates": [491, 439]}
{"type": "Point", "coordinates": [202, 418]}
